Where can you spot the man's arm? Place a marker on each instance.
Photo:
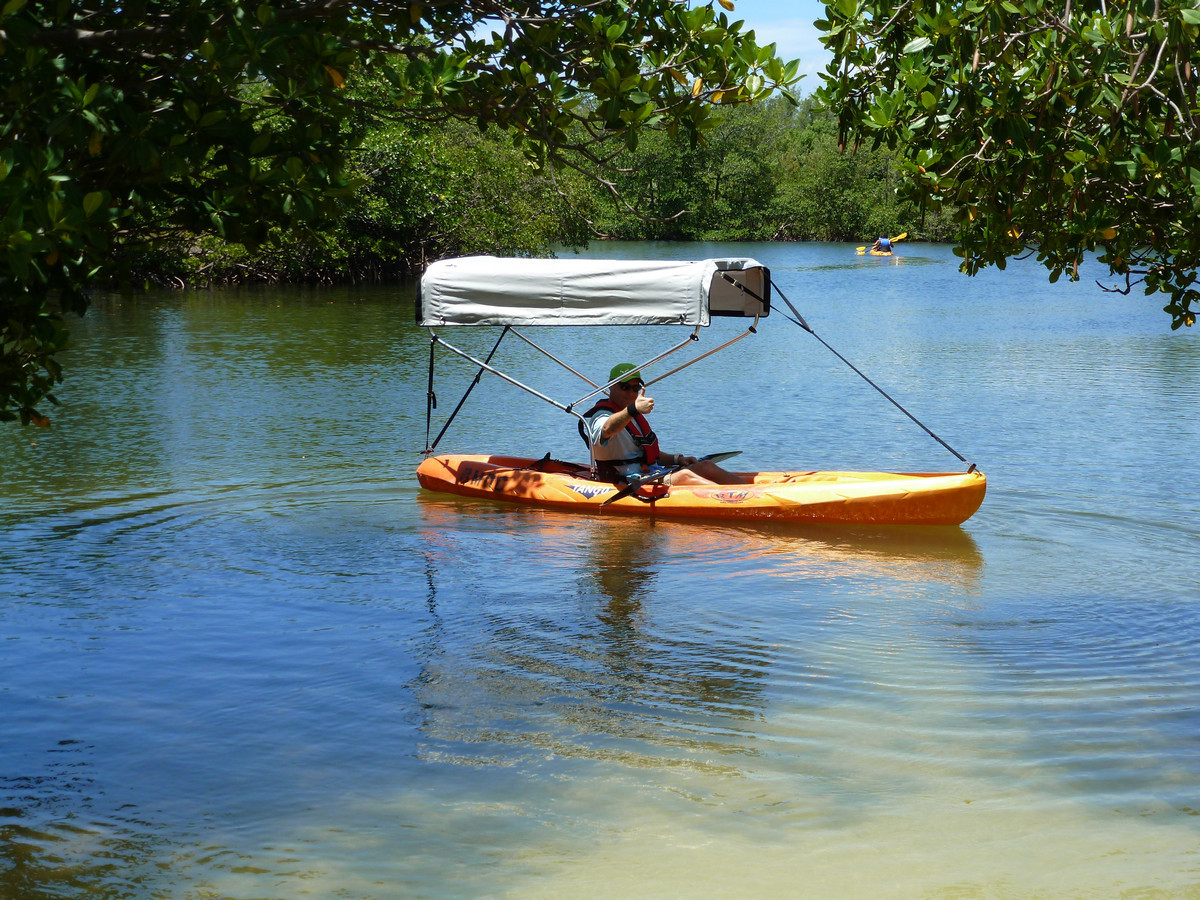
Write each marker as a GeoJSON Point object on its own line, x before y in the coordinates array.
{"type": "Point", "coordinates": [618, 420]}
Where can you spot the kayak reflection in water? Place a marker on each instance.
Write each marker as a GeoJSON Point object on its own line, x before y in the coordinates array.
{"type": "Point", "coordinates": [624, 444]}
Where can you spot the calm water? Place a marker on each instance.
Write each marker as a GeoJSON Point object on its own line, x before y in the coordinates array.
{"type": "Point", "coordinates": [243, 656]}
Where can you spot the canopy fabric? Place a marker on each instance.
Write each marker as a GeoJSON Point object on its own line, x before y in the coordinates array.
{"type": "Point", "coordinates": [491, 290]}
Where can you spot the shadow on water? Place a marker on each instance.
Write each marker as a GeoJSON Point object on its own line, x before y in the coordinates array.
{"type": "Point", "coordinates": [910, 553]}
{"type": "Point", "coordinates": [551, 640]}
{"type": "Point", "coordinates": [707, 671]}
{"type": "Point", "coordinates": [622, 568]}
{"type": "Point", "coordinates": [55, 843]}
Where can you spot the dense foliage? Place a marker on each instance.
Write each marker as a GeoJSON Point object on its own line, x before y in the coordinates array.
{"type": "Point", "coordinates": [1055, 129]}
{"type": "Point", "coordinates": [136, 120]}
{"type": "Point", "coordinates": [424, 193]}
{"type": "Point", "coordinates": [770, 171]}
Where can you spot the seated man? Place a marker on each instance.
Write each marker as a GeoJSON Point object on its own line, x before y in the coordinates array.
{"type": "Point", "coordinates": [624, 445]}
{"type": "Point", "coordinates": [883, 243]}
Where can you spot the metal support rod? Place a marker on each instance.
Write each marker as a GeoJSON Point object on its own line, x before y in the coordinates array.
{"type": "Point", "coordinates": [694, 336]}
{"type": "Point", "coordinates": [499, 374]}
{"type": "Point", "coordinates": [553, 357]}
{"type": "Point", "coordinates": [751, 330]}
{"type": "Point", "coordinates": [483, 365]}
{"type": "Point", "coordinates": [428, 446]}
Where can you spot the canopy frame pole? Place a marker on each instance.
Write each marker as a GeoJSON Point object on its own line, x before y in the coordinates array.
{"type": "Point", "coordinates": [751, 330]}
{"type": "Point", "coordinates": [799, 320]}
{"type": "Point", "coordinates": [498, 373]}
{"type": "Point", "coordinates": [550, 355]}
{"type": "Point", "coordinates": [429, 448]}
{"type": "Point", "coordinates": [694, 336]}
{"type": "Point", "coordinates": [484, 366]}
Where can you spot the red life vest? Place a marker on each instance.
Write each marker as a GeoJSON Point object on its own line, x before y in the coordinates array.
{"type": "Point", "coordinates": [639, 430]}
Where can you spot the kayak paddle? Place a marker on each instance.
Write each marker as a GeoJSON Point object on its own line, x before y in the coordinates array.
{"type": "Point", "coordinates": [635, 482]}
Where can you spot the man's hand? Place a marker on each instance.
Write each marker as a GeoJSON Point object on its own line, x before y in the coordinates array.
{"type": "Point", "coordinates": [644, 404]}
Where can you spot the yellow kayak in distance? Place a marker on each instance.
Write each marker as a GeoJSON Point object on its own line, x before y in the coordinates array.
{"type": "Point", "coordinates": [862, 498]}
{"type": "Point", "coordinates": [862, 250]}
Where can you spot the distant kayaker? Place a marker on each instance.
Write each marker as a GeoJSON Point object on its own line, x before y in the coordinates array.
{"type": "Point", "coordinates": [624, 444]}
{"type": "Point", "coordinates": [882, 244]}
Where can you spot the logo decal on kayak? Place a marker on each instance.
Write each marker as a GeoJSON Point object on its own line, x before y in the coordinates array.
{"type": "Point", "coordinates": [731, 496]}
{"type": "Point", "coordinates": [590, 490]}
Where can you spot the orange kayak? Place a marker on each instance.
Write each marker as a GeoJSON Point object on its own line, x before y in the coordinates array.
{"type": "Point", "coordinates": [872, 498]}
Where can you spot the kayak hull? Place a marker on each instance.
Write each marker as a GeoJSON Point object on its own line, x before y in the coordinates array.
{"type": "Point", "coordinates": [874, 498]}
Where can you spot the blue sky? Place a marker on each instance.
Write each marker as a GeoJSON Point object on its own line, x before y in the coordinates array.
{"type": "Point", "coordinates": [788, 24]}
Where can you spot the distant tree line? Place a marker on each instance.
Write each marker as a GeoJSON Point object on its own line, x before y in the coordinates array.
{"type": "Point", "coordinates": [769, 171]}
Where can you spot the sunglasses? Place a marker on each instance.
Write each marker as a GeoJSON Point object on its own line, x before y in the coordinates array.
{"type": "Point", "coordinates": [632, 385]}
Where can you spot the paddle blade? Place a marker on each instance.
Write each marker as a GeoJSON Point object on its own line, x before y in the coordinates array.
{"type": "Point", "coordinates": [901, 236]}
{"type": "Point", "coordinates": [718, 457]}
{"type": "Point", "coordinates": [634, 484]}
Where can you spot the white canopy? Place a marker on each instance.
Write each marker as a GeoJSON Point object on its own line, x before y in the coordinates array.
{"type": "Point", "coordinates": [490, 290]}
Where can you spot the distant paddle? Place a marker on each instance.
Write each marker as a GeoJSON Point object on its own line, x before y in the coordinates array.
{"type": "Point", "coordinates": [635, 482]}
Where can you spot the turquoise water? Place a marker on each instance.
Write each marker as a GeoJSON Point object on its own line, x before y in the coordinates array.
{"type": "Point", "coordinates": [243, 655]}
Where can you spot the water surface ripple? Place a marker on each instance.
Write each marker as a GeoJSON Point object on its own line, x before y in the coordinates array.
{"type": "Point", "coordinates": [245, 656]}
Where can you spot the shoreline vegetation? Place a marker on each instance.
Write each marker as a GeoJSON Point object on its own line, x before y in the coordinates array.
{"type": "Point", "coordinates": [768, 172]}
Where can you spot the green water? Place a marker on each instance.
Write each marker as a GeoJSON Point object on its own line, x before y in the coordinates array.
{"type": "Point", "coordinates": [242, 654]}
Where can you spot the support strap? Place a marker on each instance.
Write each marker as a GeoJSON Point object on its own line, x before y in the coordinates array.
{"type": "Point", "coordinates": [430, 399]}
{"type": "Point", "coordinates": [799, 320]}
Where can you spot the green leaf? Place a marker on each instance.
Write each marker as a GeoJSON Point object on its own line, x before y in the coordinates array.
{"type": "Point", "coordinates": [916, 45]}
{"type": "Point", "coordinates": [92, 202]}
